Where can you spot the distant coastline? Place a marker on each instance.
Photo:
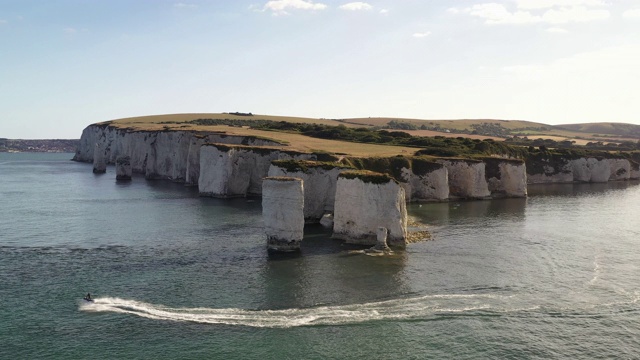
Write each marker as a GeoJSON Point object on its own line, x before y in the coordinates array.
{"type": "Point", "coordinates": [49, 145]}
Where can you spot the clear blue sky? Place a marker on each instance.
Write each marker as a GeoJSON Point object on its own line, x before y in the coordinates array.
{"type": "Point", "coordinates": [65, 64]}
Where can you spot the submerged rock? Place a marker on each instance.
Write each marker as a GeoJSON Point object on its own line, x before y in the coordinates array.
{"type": "Point", "coordinates": [327, 221]}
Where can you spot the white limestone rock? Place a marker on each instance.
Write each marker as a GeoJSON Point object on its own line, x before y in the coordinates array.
{"type": "Point", "coordinates": [425, 181]}
{"type": "Point", "coordinates": [320, 179]}
{"type": "Point", "coordinates": [466, 178]}
{"type": "Point", "coordinates": [123, 168]}
{"type": "Point", "coordinates": [282, 210]}
{"type": "Point", "coordinates": [590, 170]}
{"type": "Point", "coordinates": [236, 170]}
{"type": "Point", "coordinates": [193, 159]}
{"type": "Point", "coordinates": [634, 173]}
{"type": "Point", "coordinates": [99, 162]}
{"type": "Point", "coordinates": [620, 169]}
{"type": "Point", "coordinates": [157, 154]}
{"type": "Point", "coordinates": [366, 201]}
{"type": "Point", "coordinates": [550, 170]}
{"type": "Point", "coordinates": [381, 238]}
{"type": "Point", "coordinates": [506, 177]}
{"type": "Point", "coordinates": [327, 221]}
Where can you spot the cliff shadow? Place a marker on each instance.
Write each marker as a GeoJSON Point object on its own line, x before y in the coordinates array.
{"type": "Point", "coordinates": [440, 214]}
{"type": "Point", "coordinates": [579, 189]}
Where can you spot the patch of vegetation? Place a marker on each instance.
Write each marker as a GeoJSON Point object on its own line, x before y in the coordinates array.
{"type": "Point", "coordinates": [325, 156]}
{"type": "Point", "coordinates": [435, 146]}
{"type": "Point", "coordinates": [262, 150]}
{"type": "Point", "coordinates": [305, 165]}
{"type": "Point", "coordinates": [391, 166]}
{"type": "Point", "coordinates": [438, 146]}
{"type": "Point", "coordinates": [422, 166]}
{"type": "Point", "coordinates": [366, 176]}
{"type": "Point", "coordinates": [281, 178]}
{"type": "Point", "coordinates": [403, 125]}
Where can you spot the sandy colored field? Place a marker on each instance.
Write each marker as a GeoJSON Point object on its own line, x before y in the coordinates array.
{"type": "Point", "coordinates": [304, 143]}
{"type": "Point", "coordinates": [294, 141]}
{"type": "Point", "coordinates": [182, 118]}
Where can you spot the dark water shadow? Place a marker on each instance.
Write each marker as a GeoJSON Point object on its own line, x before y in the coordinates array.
{"type": "Point", "coordinates": [579, 189]}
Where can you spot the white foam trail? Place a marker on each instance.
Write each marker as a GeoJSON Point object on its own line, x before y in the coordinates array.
{"type": "Point", "coordinates": [596, 269]}
{"type": "Point", "coordinates": [398, 309]}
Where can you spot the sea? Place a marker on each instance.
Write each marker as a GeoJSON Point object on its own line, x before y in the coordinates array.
{"type": "Point", "coordinates": [178, 276]}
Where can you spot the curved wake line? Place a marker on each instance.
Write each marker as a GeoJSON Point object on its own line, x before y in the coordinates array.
{"type": "Point", "coordinates": [398, 309]}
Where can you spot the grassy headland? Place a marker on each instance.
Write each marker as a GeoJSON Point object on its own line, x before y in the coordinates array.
{"type": "Point", "coordinates": [380, 137]}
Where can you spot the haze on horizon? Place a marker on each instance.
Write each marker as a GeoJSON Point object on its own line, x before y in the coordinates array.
{"type": "Point", "coordinates": [69, 63]}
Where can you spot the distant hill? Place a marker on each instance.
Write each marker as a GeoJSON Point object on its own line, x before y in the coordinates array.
{"type": "Point", "coordinates": [621, 129]}
{"type": "Point", "coordinates": [21, 145]}
{"type": "Point", "coordinates": [459, 124]}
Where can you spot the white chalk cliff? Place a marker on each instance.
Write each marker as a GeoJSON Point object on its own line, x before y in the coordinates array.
{"type": "Point", "coordinates": [425, 181]}
{"type": "Point", "coordinates": [236, 170]}
{"type": "Point", "coordinates": [589, 169]}
{"type": "Point", "coordinates": [506, 177]}
{"type": "Point", "coordinates": [178, 156]}
{"type": "Point", "coordinates": [157, 154]}
{"type": "Point", "coordinates": [466, 178]}
{"type": "Point", "coordinates": [362, 206]}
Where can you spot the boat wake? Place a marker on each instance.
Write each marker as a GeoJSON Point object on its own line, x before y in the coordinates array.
{"type": "Point", "coordinates": [417, 308]}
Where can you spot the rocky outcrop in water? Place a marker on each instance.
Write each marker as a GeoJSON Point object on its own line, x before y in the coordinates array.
{"type": "Point", "coordinates": [320, 180]}
{"type": "Point", "coordinates": [282, 211]}
{"type": "Point", "coordinates": [366, 201]}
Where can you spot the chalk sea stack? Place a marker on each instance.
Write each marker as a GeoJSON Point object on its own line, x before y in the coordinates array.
{"type": "Point", "coordinates": [99, 162]}
{"type": "Point", "coordinates": [123, 168]}
{"type": "Point", "coordinates": [365, 201]}
{"type": "Point", "coordinates": [283, 213]}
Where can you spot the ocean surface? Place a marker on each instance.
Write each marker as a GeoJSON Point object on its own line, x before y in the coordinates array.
{"type": "Point", "coordinates": [177, 276]}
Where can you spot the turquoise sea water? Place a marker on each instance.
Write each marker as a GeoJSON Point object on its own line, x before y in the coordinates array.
{"type": "Point", "coordinates": [178, 276]}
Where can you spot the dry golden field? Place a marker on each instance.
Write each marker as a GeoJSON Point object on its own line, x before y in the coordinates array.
{"type": "Point", "coordinates": [293, 141]}
{"type": "Point", "coordinates": [532, 130]}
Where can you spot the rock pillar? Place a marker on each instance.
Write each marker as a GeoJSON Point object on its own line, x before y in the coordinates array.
{"type": "Point", "coordinates": [99, 161]}
{"type": "Point", "coordinates": [283, 213]}
{"type": "Point", "coordinates": [123, 168]}
{"type": "Point", "coordinates": [381, 239]}
{"type": "Point", "coordinates": [366, 200]}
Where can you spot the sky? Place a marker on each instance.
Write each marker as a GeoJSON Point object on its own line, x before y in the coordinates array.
{"type": "Point", "coordinates": [66, 64]}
